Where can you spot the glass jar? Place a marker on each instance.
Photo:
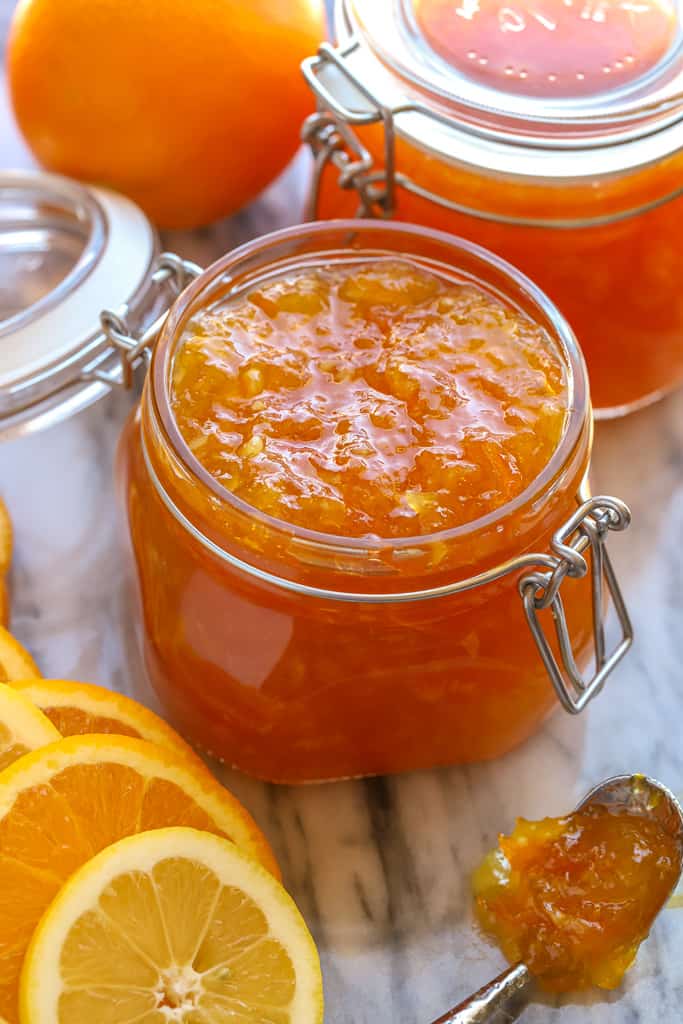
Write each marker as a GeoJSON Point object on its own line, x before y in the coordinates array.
{"type": "Point", "coordinates": [579, 186]}
{"type": "Point", "coordinates": [299, 656]}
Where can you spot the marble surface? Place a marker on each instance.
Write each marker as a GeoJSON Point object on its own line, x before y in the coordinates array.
{"type": "Point", "coordinates": [380, 868]}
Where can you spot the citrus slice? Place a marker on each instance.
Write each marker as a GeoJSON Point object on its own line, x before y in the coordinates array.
{"type": "Point", "coordinates": [22, 726]}
{"type": "Point", "coordinates": [4, 603]}
{"type": "Point", "coordinates": [61, 805]}
{"type": "Point", "coordinates": [15, 661]}
{"type": "Point", "coordinates": [5, 539]}
{"type": "Point", "coordinates": [172, 926]}
{"type": "Point", "coordinates": [78, 709]}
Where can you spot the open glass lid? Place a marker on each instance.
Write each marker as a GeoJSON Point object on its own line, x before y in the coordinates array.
{"type": "Point", "coordinates": [566, 77]}
{"type": "Point", "coordinates": [67, 252]}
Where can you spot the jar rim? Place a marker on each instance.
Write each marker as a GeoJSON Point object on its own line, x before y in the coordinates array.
{"type": "Point", "coordinates": [247, 255]}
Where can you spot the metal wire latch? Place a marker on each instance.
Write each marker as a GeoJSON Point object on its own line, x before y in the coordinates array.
{"type": "Point", "coordinates": [579, 549]}
{"type": "Point", "coordinates": [132, 350]}
{"type": "Point", "coordinates": [332, 141]}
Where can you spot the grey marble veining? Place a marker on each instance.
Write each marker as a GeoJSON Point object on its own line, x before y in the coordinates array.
{"type": "Point", "coordinates": [380, 868]}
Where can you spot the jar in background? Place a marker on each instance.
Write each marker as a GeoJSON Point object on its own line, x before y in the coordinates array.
{"type": "Point", "coordinates": [571, 169]}
{"type": "Point", "coordinates": [297, 655]}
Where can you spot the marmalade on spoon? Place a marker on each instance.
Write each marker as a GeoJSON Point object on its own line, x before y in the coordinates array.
{"type": "Point", "coordinates": [574, 897]}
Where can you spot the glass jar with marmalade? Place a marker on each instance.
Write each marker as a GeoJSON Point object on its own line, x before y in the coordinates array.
{"type": "Point", "coordinates": [356, 491]}
{"type": "Point", "coordinates": [550, 132]}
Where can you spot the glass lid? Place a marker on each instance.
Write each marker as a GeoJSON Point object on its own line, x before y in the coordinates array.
{"type": "Point", "coordinates": [552, 49]}
{"type": "Point", "coordinates": [66, 253]}
{"type": "Point", "coordinates": [561, 70]}
{"type": "Point", "coordinates": [42, 255]}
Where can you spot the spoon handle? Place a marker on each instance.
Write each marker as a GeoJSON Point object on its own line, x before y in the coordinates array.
{"type": "Point", "coordinates": [502, 1000]}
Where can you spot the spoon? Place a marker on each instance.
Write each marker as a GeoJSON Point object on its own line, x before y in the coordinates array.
{"type": "Point", "coordinates": [504, 998]}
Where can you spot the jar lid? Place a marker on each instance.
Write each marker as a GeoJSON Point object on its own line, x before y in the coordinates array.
{"type": "Point", "coordinates": [558, 51]}
{"type": "Point", "coordinates": [549, 88]}
{"type": "Point", "coordinates": [67, 252]}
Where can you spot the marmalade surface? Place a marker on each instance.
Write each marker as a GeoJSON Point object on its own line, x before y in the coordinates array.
{"type": "Point", "coordinates": [574, 897]}
{"type": "Point", "coordinates": [374, 399]}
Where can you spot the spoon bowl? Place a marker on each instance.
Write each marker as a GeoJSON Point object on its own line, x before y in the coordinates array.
{"type": "Point", "coordinates": [644, 798]}
{"type": "Point", "coordinates": [505, 998]}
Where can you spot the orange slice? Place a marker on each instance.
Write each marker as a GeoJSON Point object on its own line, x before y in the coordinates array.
{"type": "Point", "coordinates": [78, 709]}
{"type": "Point", "coordinates": [61, 805]}
{"type": "Point", "coordinates": [6, 535]}
{"type": "Point", "coordinates": [15, 661]}
{"type": "Point", "coordinates": [22, 726]}
{"type": "Point", "coordinates": [172, 926]}
{"type": "Point", "coordinates": [4, 603]}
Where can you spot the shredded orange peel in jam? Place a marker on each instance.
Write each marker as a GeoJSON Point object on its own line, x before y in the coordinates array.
{"type": "Point", "coordinates": [370, 400]}
{"type": "Point", "coordinates": [574, 897]}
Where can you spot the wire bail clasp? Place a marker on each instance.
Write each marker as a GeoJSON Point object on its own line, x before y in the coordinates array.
{"type": "Point", "coordinates": [332, 141]}
{"type": "Point", "coordinates": [579, 549]}
{"type": "Point", "coordinates": [171, 270]}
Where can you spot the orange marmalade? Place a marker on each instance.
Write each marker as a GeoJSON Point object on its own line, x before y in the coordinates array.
{"type": "Point", "coordinates": [550, 132]}
{"type": "Point", "coordinates": [574, 897]}
{"type": "Point", "coordinates": [343, 424]}
{"type": "Point", "coordinates": [375, 399]}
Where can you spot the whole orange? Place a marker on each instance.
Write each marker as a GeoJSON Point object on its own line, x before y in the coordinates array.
{"type": "Point", "coordinates": [190, 107]}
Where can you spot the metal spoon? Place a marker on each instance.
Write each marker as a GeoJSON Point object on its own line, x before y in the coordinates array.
{"type": "Point", "coordinates": [504, 998]}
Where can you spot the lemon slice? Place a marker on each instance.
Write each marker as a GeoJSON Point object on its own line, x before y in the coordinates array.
{"type": "Point", "coordinates": [22, 726]}
{"type": "Point", "coordinates": [174, 925]}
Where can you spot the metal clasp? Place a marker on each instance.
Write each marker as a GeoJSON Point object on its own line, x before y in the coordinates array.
{"type": "Point", "coordinates": [132, 351]}
{"type": "Point", "coordinates": [332, 141]}
{"type": "Point", "coordinates": [579, 549]}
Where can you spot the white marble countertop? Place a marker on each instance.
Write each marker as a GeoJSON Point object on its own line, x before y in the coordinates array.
{"type": "Point", "coordinates": [380, 868]}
